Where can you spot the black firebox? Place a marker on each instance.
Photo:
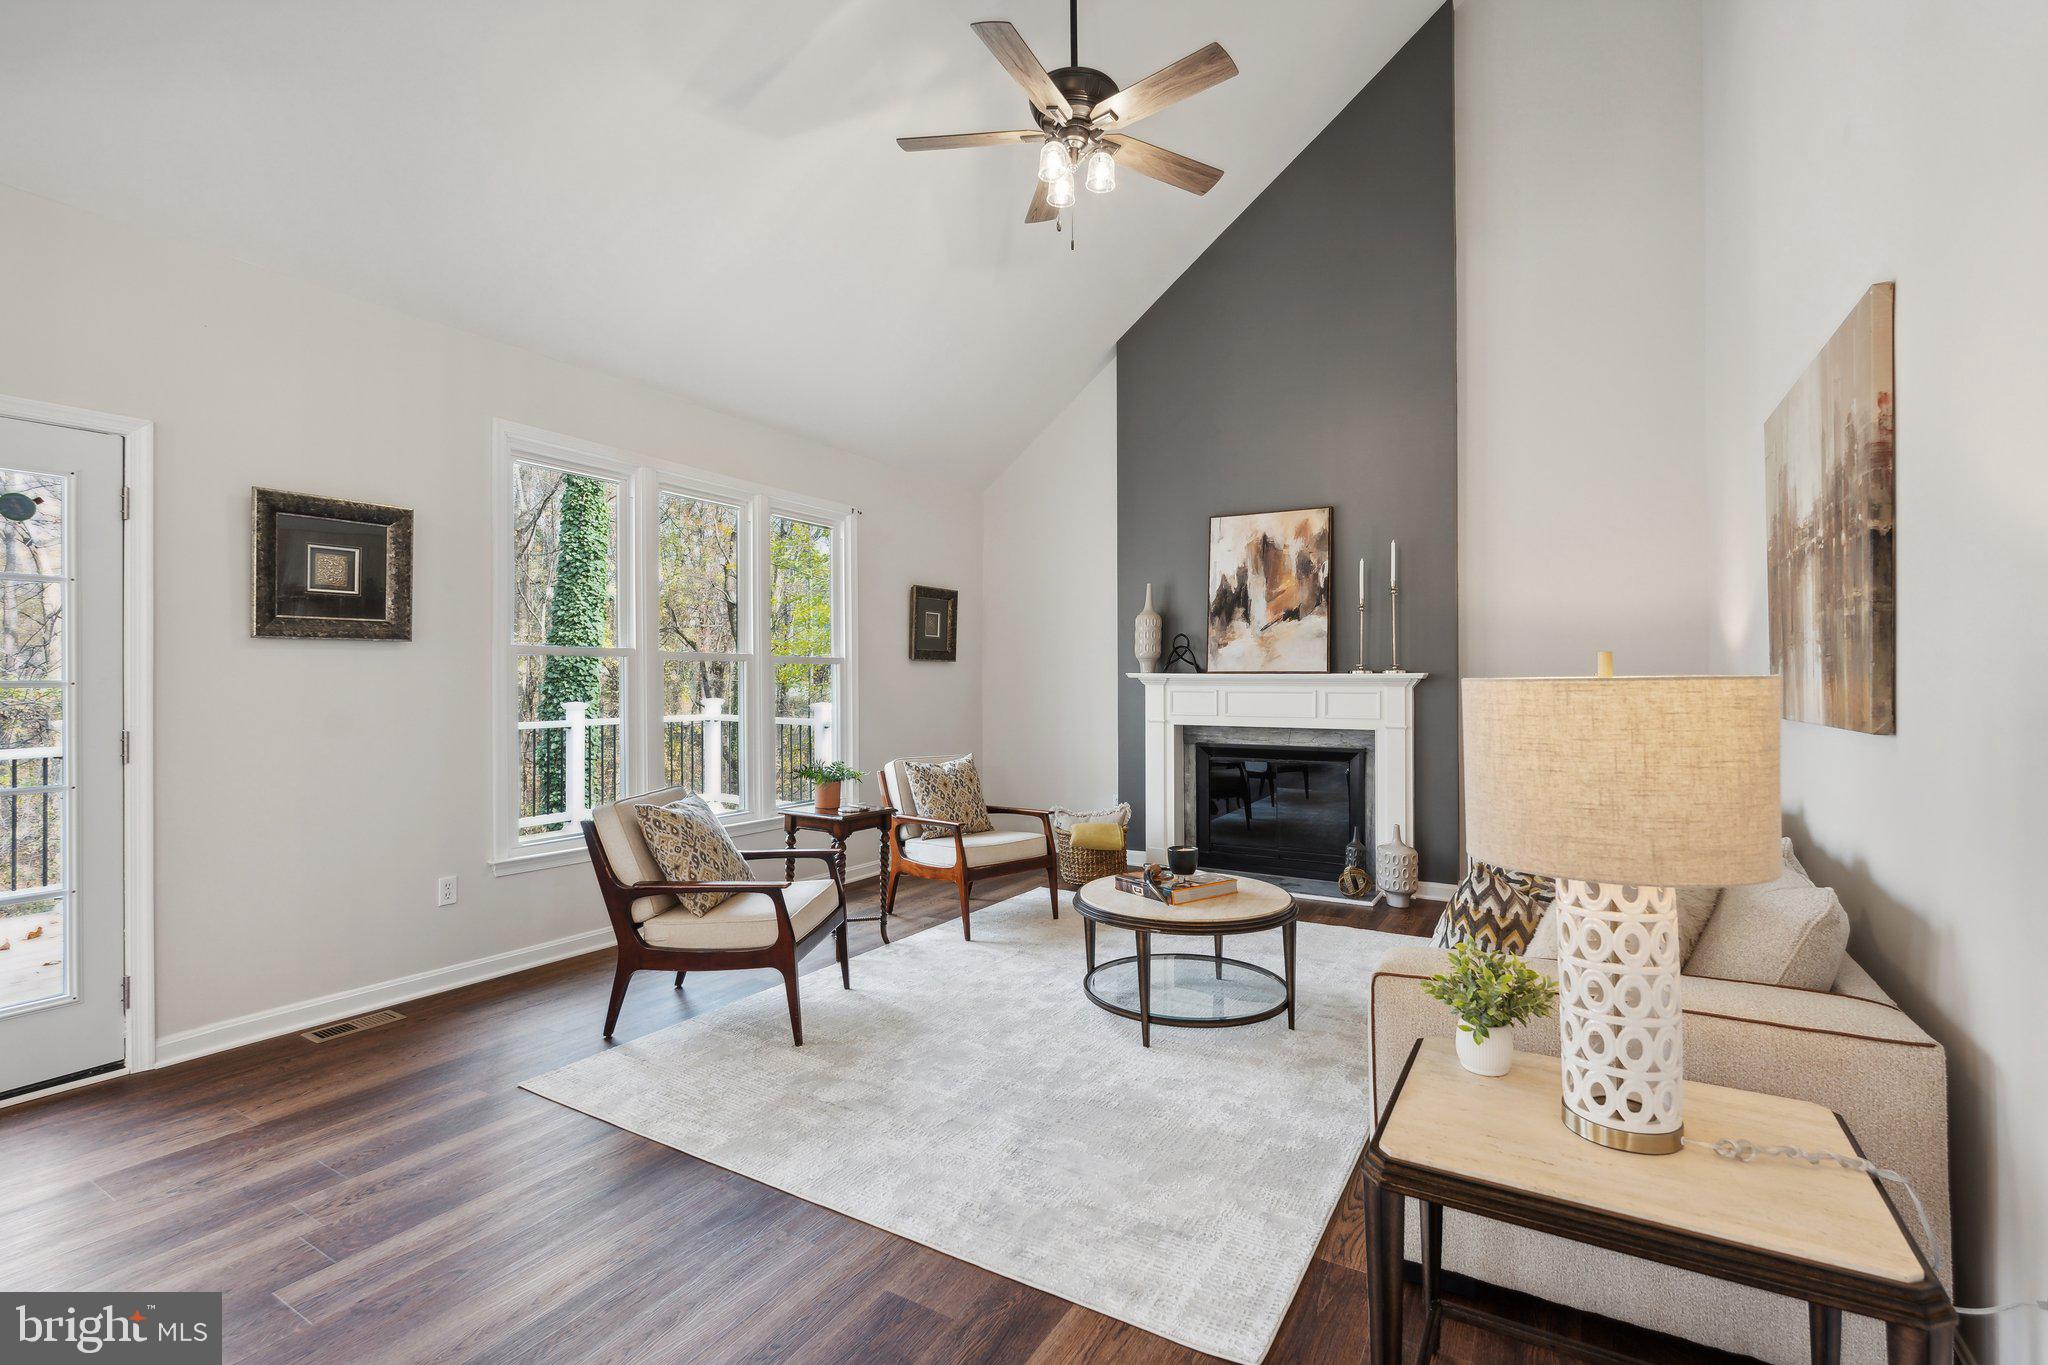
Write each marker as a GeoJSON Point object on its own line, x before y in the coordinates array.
{"type": "Point", "coordinates": [1279, 809]}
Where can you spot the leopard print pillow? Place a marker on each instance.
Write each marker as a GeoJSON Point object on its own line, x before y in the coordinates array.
{"type": "Point", "coordinates": [949, 791]}
{"type": "Point", "coordinates": [691, 846]}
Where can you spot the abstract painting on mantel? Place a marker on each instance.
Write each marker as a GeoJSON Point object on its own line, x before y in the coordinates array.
{"type": "Point", "coordinates": [1828, 470]}
{"type": "Point", "coordinates": [1269, 592]}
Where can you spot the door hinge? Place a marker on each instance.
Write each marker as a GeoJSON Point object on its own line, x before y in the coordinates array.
{"type": "Point", "coordinates": [124, 746]}
{"type": "Point", "coordinates": [127, 991]}
{"type": "Point", "coordinates": [124, 502]}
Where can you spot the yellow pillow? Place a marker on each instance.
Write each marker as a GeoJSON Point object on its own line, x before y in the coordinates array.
{"type": "Point", "coordinates": [1101, 835]}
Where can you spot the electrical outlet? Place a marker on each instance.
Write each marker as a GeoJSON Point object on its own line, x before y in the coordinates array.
{"type": "Point", "coordinates": [444, 891]}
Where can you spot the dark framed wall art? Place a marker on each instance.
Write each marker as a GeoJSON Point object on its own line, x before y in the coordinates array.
{"type": "Point", "coordinates": [328, 569]}
{"type": "Point", "coordinates": [934, 624]}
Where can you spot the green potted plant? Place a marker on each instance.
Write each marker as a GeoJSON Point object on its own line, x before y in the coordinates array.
{"type": "Point", "coordinates": [1490, 990]}
{"type": "Point", "coordinates": [826, 777]}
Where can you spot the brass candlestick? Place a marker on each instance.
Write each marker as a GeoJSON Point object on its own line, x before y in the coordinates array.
{"type": "Point", "coordinates": [1394, 616]}
{"type": "Point", "coordinates": [1361, 637]}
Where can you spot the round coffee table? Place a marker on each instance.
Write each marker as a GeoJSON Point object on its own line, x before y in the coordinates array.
{"type": "Point", "coordinates": [1195, 990]}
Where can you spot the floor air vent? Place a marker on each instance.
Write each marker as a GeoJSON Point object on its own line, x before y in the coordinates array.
{"type": "Point", "coordinates": [327, 1033]}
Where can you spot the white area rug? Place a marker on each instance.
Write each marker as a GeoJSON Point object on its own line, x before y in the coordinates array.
{"type": "Point", "coordinates": [968, 1096]}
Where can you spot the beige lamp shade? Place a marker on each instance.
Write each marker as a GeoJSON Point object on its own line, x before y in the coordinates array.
{"type": "Point", "coordinates": [1642, 781]}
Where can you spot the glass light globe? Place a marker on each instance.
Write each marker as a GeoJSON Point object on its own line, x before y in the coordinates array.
{"type": "Point", "coordinates": [1054, 161]}
{"type": "Point", "coordinates": [1101, 171]}
{"type": "Point", "coordinates": [1060, 193]}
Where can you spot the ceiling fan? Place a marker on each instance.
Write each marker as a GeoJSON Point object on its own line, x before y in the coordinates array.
{"type": "Point", "coordinates": [1081, 114]}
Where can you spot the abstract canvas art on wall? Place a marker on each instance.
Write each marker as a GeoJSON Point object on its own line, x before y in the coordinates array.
{"type": "Point", "coordinates": [1828, 471]}
{"type": "Point", "coordinates": [1269, 592]}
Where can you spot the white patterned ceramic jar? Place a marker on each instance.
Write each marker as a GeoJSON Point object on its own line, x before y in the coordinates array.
{"type": "Point", "coordinates": [1398, 865]}
{"type": "Point", "coordinates": [1147, 633]}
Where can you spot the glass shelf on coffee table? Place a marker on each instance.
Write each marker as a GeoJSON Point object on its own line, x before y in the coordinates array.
{"type": "Point", "coordinates": [1189, 990]}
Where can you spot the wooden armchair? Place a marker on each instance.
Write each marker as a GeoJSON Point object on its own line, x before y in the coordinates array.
{"type": "Point", "coordinates": [956, 856]}
{"type": "Point", "coordinates": [762, 924]}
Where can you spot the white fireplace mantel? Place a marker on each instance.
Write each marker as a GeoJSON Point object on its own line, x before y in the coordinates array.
{"type": "Point", "coordinates": [1383, 703]}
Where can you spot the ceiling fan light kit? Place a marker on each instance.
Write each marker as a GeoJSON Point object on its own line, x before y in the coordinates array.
{"type": "Point", "coordinates": [1081, 114]}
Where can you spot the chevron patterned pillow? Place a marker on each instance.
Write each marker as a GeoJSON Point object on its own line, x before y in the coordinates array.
{"type": "Point", "coordinates": [1495, 908]}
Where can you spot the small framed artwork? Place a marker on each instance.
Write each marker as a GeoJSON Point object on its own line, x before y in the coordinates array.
{"type": "Point", "coordinates": [934, 624]}
{"type": "Point", "coordinates": [326, 569]}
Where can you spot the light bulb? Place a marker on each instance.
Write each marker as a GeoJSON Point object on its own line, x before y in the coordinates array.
{"type": "Point", "coordinates": [1060, 193]}
{"type": "Point", "coordinates": [1054, 161]}
{"type": "Point", "coordinates": [1101, 171]}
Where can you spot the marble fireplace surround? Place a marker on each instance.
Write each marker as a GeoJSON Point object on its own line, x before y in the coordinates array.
{"type": "Point", "coordinates": [1294, 706]}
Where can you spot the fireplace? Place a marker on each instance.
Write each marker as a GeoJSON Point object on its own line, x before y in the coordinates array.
{"type": "Point", "coordinates": [1283, 802]}
{"type": "Point", "coordinates": [1347, 712]}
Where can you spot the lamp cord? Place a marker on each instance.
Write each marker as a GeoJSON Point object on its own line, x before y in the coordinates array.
{"type": "Point", "coordinates": [1741, 1149]}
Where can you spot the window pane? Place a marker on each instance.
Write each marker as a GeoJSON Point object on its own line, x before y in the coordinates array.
{"type": "Point", "coordinates": [700, 575]}
{"type": "Point", "coordinates": [552, 690]}
{"type": "Point", "coordinates": [800, 600]}
{"type": "Point", "coordinates": [565, 549]}
{"type": "Point", "coordinates": [33, 967]}
{"type": "Point", "coordinates": [31, 626]}
{"type": "Point", "coordinates": [31, 733]}
{"type": "Point", "coordinates": [702, 747]}
{"type": "Point", "coordinates": [806, 697]}
{"type": "Point", "coordinates": [35, 545]}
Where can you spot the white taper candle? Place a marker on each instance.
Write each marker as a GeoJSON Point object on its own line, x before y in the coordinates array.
{"type": "Point", "coordinates": [1394, 565]}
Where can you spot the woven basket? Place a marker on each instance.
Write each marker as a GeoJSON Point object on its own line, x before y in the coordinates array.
{"type": "Point", "coordinates": [1079, 866]}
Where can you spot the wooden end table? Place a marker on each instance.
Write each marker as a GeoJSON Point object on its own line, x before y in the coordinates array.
{"type": "Point", "coordinates": [839, 826]}
{"type": "Point", "coordinates": [1495, 1146]}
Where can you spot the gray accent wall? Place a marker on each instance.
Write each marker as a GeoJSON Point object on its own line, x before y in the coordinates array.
{"type": "Point", "coordinates": [1308, 358]}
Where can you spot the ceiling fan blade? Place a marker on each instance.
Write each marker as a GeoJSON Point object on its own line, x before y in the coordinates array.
{"type": "Point", "coordinates": [1191, 75]}
{"type": "Point", "coordinates": [1024, 67]}
{"type": "Point", "coordinates": [1171, 168]}
{"type": "Point", "coordinates": [947, 141]}
{"type": "Point", "coordinates": [1040, 210]}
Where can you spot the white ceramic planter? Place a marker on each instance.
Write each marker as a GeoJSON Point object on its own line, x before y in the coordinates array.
{"type": "Point", "coordinates": [1490, 1058]}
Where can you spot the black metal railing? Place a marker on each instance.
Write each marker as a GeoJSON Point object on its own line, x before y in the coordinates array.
{"type": "Point", "coordinates": [35, 855]}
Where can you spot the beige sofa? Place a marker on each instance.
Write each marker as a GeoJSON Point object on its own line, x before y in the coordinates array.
{"type": "Point", "coordinates": [1849, 1048]}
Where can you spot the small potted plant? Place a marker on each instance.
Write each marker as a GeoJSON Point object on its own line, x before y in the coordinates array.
{"type": "Point", "coordinates": [1490, 990]}
{"type": "Point", "coordinates": [826, 777]}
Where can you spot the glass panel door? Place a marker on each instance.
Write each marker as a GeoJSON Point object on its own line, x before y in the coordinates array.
{"type": "Point", "coordinates": [62, 955]}
{"type": "Point", "coordinates": [35, 900]}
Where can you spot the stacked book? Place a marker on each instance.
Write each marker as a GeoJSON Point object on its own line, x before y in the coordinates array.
{"type": "Point", "coordinates": [1197, 886]}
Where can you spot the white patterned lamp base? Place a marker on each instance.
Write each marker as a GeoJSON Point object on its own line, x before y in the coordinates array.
{"type": "Point", "coordinates": [1622, 1034]}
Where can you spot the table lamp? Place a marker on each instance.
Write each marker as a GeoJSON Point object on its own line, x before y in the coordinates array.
{"type": "Point", "coordinates": [1623, 790]}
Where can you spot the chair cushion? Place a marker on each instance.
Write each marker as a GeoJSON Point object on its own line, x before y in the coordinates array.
{"type": "Point", "coordinates": [983, 850]}
{"type": "Point", "coordinates": [950, 791]}
{"type": "Point", "coordinates": [743, 921]}
{"type": "Point", "coordinates": [632, 860]}
{"type": "Point", "coordinates": [692, 846]}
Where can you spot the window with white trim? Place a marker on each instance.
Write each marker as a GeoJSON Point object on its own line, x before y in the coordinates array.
{"type": "Point", "coordinates": [660, 627]}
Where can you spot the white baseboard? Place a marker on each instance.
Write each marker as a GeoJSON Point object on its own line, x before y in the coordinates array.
{"type": "Point", "coordinates": [1435, 891]}
{"type": "Point", "coordinates": [254, 1028]}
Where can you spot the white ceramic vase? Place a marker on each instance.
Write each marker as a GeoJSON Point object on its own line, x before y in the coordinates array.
{"type": "Point", "coordinates": [1397, 866]}
{"type": "Point", "coordinates": [1147, 636]}
{"type": "Point", "coordinates": [1490, 1058]}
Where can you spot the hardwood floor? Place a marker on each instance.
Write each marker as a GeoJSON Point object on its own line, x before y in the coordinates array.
{"type": "Point", "coordinates": [394, 1197]}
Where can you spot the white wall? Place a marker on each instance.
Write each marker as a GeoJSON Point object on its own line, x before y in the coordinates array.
{"type": "Point", "coordinates": [309, 792]}
{"type": "Point", "coordinates": [1580, 481]}
{"type": "Point", "coordinates": [1848, 143]}
{"type": "Point", "coordinates": [1054, 642]}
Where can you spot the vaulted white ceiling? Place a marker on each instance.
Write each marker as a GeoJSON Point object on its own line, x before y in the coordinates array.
{"type": "Point", "coordinates": [705, 196]}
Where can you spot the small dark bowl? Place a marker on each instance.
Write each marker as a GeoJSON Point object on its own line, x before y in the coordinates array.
{"type": "Point", "coordinates": [1181, 858]}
